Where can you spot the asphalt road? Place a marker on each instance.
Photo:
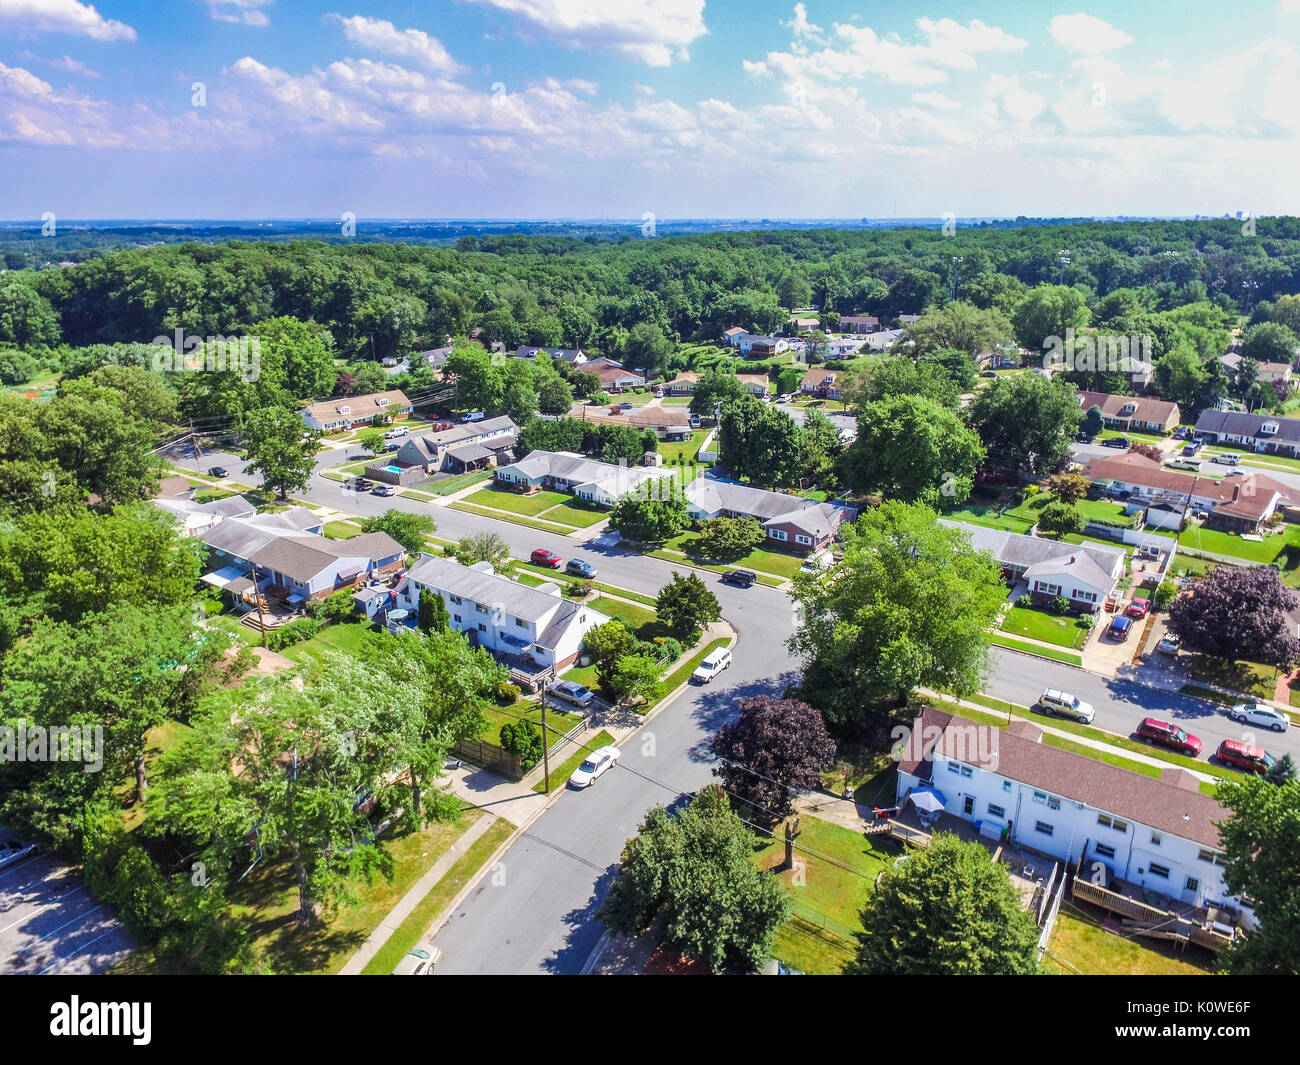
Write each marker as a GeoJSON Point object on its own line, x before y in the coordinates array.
{"type": "Point", "coordinates": [534, 912]}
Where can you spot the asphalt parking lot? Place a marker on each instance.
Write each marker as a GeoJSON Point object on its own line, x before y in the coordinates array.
{"type": "Point", "coordinates": [50, 923]}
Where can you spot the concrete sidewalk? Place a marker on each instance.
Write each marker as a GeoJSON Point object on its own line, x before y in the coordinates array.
{"type": "Point", "coordinates": [412, 898]}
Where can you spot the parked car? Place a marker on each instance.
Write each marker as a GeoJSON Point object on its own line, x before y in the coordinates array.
{"type": "Point", "coordinates": [542, 557]}
{"type": "Point", "coordinates": [1163, 734]}
{"type": "Point", "coordinates": [419, 962]}
{"type": "Point", "coordinates": [570, 691]}
{"type": "Point", "coordinates": [13, 849]}
{"type": "Point", "coordinates": [714, 663]}
{"type": "Point", "coordinates": [392, 445]}
{"type": "Point", "coordinates": [1244, 756]}
{"type": "Point", "coordinates": [383, 490]}
{"type": "Point", "coordinates": [1116, 441]}
{"type": "Point", "coordinates": [615, 410]}
{"type": "Point", "coordinates": [397, 433]}
{"type": "Point", "coordinates": [1120, 627]}
{"type": "Point", "coordinates": [1185, 464]}
{"type": "Point", "coordinates": [1139, 608]}
{"type": "Point", "coordinates": [1085, 438]}
{"type": "Point", "coordinates": [1169, 645]}
{"type": "Point", "coordinates": [597, 763]}
{"type": "Point", "coordinates": [218, 471]}
{"type": "Point", "coordinates": [988, 373]}
{"type": "Point", "coordinates": [1193, 447]}
{"type": "Point", "coordinates": [1063, 704]}
{"type": "Point", "coordinates": [363, 485]}
{"type": "Point", "coordinates": [695, 421]}
{"type": "Point", "coordinates": [472, 416]}
{"type": "Point", "coordinates": [1262, 716]}
{"type": "Point", "coordinates": [1228, 458]}
{"type": "Point", "coordinates": [441, 426]}
{"type": "Point", "coordinates": [580, 568]}
{"type": "Point", "coordinates": [741, 578]}
{"type": "Point", "coordinates": [625, 405]}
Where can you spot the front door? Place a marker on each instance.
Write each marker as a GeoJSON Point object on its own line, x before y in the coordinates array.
{"type": "Point", "coordinates": [968, 807]}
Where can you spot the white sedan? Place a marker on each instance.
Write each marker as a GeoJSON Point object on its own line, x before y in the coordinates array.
{"type": "Point", "coordinates": [1263, 716]}
{"type": "Point", "coordinates": [598, 761]}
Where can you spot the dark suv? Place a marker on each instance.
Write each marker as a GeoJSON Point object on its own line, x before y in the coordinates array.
{"type": "Point", "coordinates": [1163, 734]}
{"type": "Point", "coordinates": [741, 578]}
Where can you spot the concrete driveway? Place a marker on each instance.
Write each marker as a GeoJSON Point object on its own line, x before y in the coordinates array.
{"type": "Point", "coordinates": [50, 923]}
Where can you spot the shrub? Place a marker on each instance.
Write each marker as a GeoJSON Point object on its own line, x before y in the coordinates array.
{"type": "Point", "coordinates": [1087, 621]}
{"type": "Point", "coordinates": [1166, 593]}
{"type": "Point", "coordinates": [1025, 600]}
{"type": "Point", "coordinates": [580, 589]}
{"type": "Point", "coordinates": [524, 739]}
{"type": "Point", "coordinates": [1060, 605]}
{"type": "Point", "coordinates": [294, 632]}
{"type": "Point", "coordinates": [507, 693]}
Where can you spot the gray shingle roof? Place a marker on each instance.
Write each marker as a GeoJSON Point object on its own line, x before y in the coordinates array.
{"type": "Point", "coordinates": [715, 495]}
{"type": "Point", "coordinates": [1237, 423]}
{"type": "Point", "coordinates": [484, 586]}
{"type": "Point", "coordinates": [1016, 549]}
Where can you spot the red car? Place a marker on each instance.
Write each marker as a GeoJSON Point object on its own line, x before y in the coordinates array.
{"type": "Point", "coordinates": [1138, 608]}
{"type": "Point", "coordinates": [542, 557]}
{"type": "Point", "coordinates": [1163, 734]}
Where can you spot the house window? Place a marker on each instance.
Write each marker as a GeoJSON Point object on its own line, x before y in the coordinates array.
{"type": "Point", "coordinates": [957, 767]}
{"type": "Point", "coordinates": [777, 534]}
{"type": "Point", "coordinates": [1044, 799]}
{"type": "Point", "coordinates": [456, 617]}
{"type": "Point", "coordinates": [1112, 822]}
{"type": "Point", "coordinates": [802, 539]}
{"type": "Point", "coordinates": [1209, 856]}
{"type": "Point", "coordinates": [1044, 828]}
{"type": "Point", "coordinates": [1156, 839]}
{"type": "Point", "coordinates": [1193, 884]}
{"type": "Point", "coordinates": [521, 623]}
{"type": "Point", "coordinates": [1006, 785]}
{"type": "Point", "coordinates": [482, 627]}
{"type": "Point", "coordinates": [1102, 851]}
{"type": "Point", "coordinates": [1161, 871]}
{"type": "Point", "coordinates": [996, 811]}
{"type": "Point", "coordinates": [480, 608]}
{"type": "Point", "coordinates": [455, 599]}
{"type": "Point", "coordinates": [1087, 597]}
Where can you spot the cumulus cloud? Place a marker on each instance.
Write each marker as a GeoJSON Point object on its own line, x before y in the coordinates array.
{"type": "Point", "coordinates": [654, 32]}
{"type": "Point", "coordinates": [63, 16]}
{"type": "Point", "coordinates": [380, 35]}
{"type": "Point", "coordinates": [1086, 33]}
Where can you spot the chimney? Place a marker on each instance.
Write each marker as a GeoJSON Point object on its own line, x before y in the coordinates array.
{"type": "Point", "coordinates": [1071, 560]}
{"type": "Point", "coordinates": [1236, 491]}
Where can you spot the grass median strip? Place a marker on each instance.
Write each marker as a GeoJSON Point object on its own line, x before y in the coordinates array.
{"type": "Point", "coordinates": [501, 515]}
{"type": "Point", "coordinates": [682, 673]}
{"type": "Point", "coordinates": [1036, 649]}
{"type": "Point", "coordinates": [410, 931]}
{"type": "Point", "coordinates": [561, 773]}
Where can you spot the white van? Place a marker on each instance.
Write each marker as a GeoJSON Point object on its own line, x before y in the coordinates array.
{"type": "Point", "coordinates": [397, 433]}
{"type": "Point", "coordinates": [714, 663]}
{"type": "Point", "coordinates": [1228, 458]}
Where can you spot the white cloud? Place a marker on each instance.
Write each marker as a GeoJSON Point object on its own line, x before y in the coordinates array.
{"type": "Point", "coordinates": [63, 16]}
{"type": "Point", "coordinates": [73, 66]}
{"type": "Point", "coordinates": [653, 31]}
{"type": "Point", "coordinates": [800, 27]}
{"type": "Point", "coordinates": [1018, 102]}
{"type": "Point", "coordinates": [244, 12]}
{"type": "Point", "coordinates": [379, 35]}
{"type": "Point", "coordinates": [936, 100]}
{"type": "Point", "coordinates": [1086, 33]}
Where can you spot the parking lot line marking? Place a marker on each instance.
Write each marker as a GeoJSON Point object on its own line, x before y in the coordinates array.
{"type": "Point", "coordinates": [76, 920]}
{"type": "Point", "coordinates": [43, 906]}
{"type": "Point", "coordinates": [79, 950]}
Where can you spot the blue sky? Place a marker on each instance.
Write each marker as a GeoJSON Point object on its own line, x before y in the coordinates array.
{"type": "Point", "coordinates": [591, 108]}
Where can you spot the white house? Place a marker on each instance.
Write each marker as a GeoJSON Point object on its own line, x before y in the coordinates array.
{"type": "Point", "coordinates": [434, 451]}
{"type": "Point", "coordinates": [752, 345]}
{"type": "Point", "coordinates": [596, 482]}
{"type": "Point", "coordinates": [347, 412]}
{"type": "Point", "coordinates": [1156, 833]}
{"type": "Point", "coordinates": [789, 522]}
{"type": "Point", "coordinates": [1085, 574]}
{"type": "Point", "coordinates": [195, 519]}
{"type": "Point", "coordinates": [502, 615]}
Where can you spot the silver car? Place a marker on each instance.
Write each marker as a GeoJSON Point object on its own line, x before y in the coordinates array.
{"type": "Point", "coordinates": [1261, 716]}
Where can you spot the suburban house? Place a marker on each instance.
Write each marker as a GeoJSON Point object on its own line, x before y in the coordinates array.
{"type": "Point", "coordinates": [1085, 574]}
{"type": "Point", "coordinates": [502, 615]}
{"type": "Point", "coordinates": [613, 376]}
{"type": "Point", "coordinates": [756, 384]}
{"type": "Point", "coordinates": [789, 522]}
{"type": "Point", "coordinates": [761, 347]}
{"type": "Point", "coordinates": [732, 336]}
{"type": "Point", "coordinates": [806, 325]}
{"type": "Point", "coordinates": [843, 347]}
{"type": "Point", "coordinates": [684, 383]}
{"type": "Point", "coordinates": [1155, 834]}
{"type": "Point", "coordinates": [859, 323]}
{"type": "Point", "coordinates": [908, 319]}
{"type": "Point", "coordinates": [825, 384]}
{"type": "Point", "coordinates": [1132, 412]}
{"type": "Point", "coordinates": [573, 356]}
{"type": "Point", "coordinates": [882, 340]}
{"type": "Point", "coordinates": [1260, 432]}
{"type": "Point", "coordinates": [602, 483]}
{"type": "Point", "coordinates": [1275, 373]}
{"type": "Point", "coordinates": [1240, 502]}
{"type": "Point", "coordinates": [347, 412]}
{"type": "Point", "coordinates": [286, 551]}
{"type": "Point", "coordinates": [195, 519]}
{"type": "Point", "coordinates": [471, 445]}
{"type": "Point", "coordinates": [667, 422]}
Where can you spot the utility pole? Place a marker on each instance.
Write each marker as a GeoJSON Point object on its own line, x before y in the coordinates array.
{"type": "Point", "coordinates": [257, 601]}
{"type": "Point", "coordinates": [195, 445]}
{"type": "Point", "coordinates": [957, 260]}
{"type": "Point", "coordinates": [546, 746]}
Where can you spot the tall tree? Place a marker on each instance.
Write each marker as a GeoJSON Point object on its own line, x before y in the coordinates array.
{"type": "Point", "coordinates": [759, 442]}
{"type": "Point", "coordinates": [691, 878]}
{"type": "Point", "coordinates": [948, 910]}
{"type": "Point", "coordinates": [686, 605]}
{"type": "Point", "coordinates": [1238, 612]}
{"type": "Point", "coordinates": [280, 448]}
{"type": "Point", "coordinates": [1027, 421]}
{"type": "Point", "coordinates": [409, 530]}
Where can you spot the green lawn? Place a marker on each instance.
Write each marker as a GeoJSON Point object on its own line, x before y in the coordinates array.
{"type": "Point", "coordinates": [575, 513]}
{"type": "Point", "coordinates": [561, 773]}
{"type": "Point", "coordinates": [411, 493]}
{"type": "Point", "coordinates": [638, 619]}
{"type": "Point", "coordinates": [1080, 946]}
{"type": "Point", "coordinates": [516, 502]}
{"type": "Point", "coordinates": [531, 523]}
{"type": "Point", "coordinates": [760, 559]}
{"type": "Point", "coordinates": [1253, 678]}
{"type": "Point", "coordinates": [208, 495]}
{"type": "Point", "coordinates": [558, 722]}
{"type": "Point", "coordinates": [828, 890]}
{"type": "Point", "coordinates": [341, 530]}
{"type": "Point", "coordinates": [1253, 458]}
{"type": "Point", "coordinates": [344, 636]}
{"type": "Point", "coordinates": [1040, 625]}
{"type": "Point", "coordinates": [1141, 438]}
{"type": "Point", "coordinates": [1216, 542]}
{"type": "Point", "coordinates": [989, 517]}
{"type": "Point", "coordinates": [1036, 649]}
{"type": "Point", "coordinates": [1091, 509]}
{"type": "Point", "coordinates": [413, 929]}
{"type": "Point", "coordinates": [672, 451]}
{"type": "Point", "coordinates": [458, 482]}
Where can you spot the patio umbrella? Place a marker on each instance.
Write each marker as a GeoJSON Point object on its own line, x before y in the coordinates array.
{"type": "Point", "coordinates": [927, 800]}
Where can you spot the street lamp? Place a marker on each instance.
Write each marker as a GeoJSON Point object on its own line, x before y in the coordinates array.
{"type": "Point", "coordinates": [1064, 260]}
{"type": "Point", "coordinates": [957, 260]}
